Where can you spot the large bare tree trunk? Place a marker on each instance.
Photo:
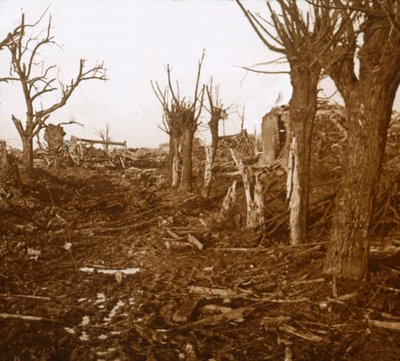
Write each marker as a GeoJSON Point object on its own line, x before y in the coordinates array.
{"type": "Point", "coordinates": [211, 152]}
{"type": "Point", "coordinates": [369, 102]}
{"type": "Point", "coordinates": [27, 155]}
{"type": "Point", "coordinates": [303, 107]}
{"type": "Point", "coordinates": [187, 146]}
{"type": "Point", "coordinates": [368, 118]}
{"type": "Point", "coordinates": [174, 160]}
{"type": "Point", "coordinates": [209, 160]}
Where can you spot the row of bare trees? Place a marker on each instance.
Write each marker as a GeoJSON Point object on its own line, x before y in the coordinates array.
{"type": "Point", "coordinates": [37, 79]}
{"type": "Point", "coordinates": [181, 120]}
{"type": "Point", "coordinates": [329, 38]}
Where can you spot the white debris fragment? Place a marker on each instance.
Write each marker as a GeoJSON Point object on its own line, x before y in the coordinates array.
{"type": "Point", "coordinates": [118, 277]}
{"type": "Point", "coordinates": [131, 301]}
{"type": "Point", "coordinates": [85, 320]}
{"type": "Point", "coordinates": [33, 253]}
{"type": "Point", "coordinates": [102, 337]}
{"type": "Point", "coordinates": [70, 330]}
{"type": "Point", "coordinates": [84, 336]}
{"type": "Point", "coordinates": [103, 353]}
{"type": "Point", "coordinates": [82, 299]}
{"type": "Point", "coordinates": [67, 246]}
{"type": "Point", "coordinates": [87, 269]}
{"type": "Point", "coordinates": [100, 298]}
{"type": "Point", "coordinates": [116, 332]}
{"type": "Point", "coordinates": [126, 271]}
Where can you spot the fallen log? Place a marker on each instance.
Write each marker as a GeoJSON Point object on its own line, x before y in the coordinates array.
{"type": "Point", "coordinates": [306, 335]}
{"type": "Point", "coordinates": [24, 317]}
{"type": "Point", "coordinates": [4, 295]}
{"type": "Point", "coordinates": [234, 315]}
{"type": "Point", "coordinates": [218, 292]}
{"type": "Point", "coordinates": [391, 325]}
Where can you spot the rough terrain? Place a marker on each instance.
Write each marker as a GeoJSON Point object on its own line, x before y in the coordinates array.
{"type": "Point", "coordinates": [244, 296]}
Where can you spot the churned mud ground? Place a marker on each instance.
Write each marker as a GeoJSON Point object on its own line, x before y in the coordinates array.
{"type": "Point", "coordinates": [106, 264]}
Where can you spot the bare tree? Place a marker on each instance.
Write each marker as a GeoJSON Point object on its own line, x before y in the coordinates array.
{"type": "Point", "coordinates": [302, 39]}
{"type": "Point", "coordinates": [369, 95]}
{"type": "Point", "coordinates": [105, 136]}
{"type": "Point", "coordinates": [181, 119]}
{"type": "Point", "coordinates": [36, 82]}
{"type": "Point", "coordinates": [217, 113]}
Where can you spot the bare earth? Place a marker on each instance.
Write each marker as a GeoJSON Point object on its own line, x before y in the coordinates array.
{"type": "Point", "coordinates": [102, 260]}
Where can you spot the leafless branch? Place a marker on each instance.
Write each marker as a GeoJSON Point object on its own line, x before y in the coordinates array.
{"type": "Point", "coordinates": [254, 25]}
{"type": "Point", "coordinates": [24, 52]}
{"type": "Point", "coordinates": [70, 122]}
{"type": "Point", "coordinates": [264, 71]}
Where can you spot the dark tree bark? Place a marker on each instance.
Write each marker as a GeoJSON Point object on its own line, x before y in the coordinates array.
{"type": "Point", "coordinates": [218, 113]}
{"type": "Point", "coordinates": [369, 102]}
{"type": "Point", "coordinates": [187, 147]}
{"type": "Point", "coordinates": [214, 125]}
{"type": "Point", "coordinates": [369, 111]}
{"type": "Point", "coordinates": [303, 107]}
{"type": "Point", "coordinates": [174, 157]}
{"type": "Point", "coordinates": [27, 156]}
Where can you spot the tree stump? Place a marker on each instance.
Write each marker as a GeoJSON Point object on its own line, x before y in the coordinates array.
{"type": "Point", "coordinates": [9, 174]}
{"type": "Point", "coordinates": [54, 136]}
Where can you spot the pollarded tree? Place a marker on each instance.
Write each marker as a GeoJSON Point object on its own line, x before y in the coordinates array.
{"type": "Point", "coordinates": [369, 95]}
{"type": "Point", "coordinates": [37, 81]}
{"type": "Point", "coordinates": [302, 39]}
{"type": "Point", "coordinates": [217, 113]}
{"type": "Point", "coordinates": [181, 119]}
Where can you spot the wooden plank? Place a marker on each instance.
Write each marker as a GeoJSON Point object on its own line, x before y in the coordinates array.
{"type": "Point", "coordinates": [186, 309]}
{"type": "Point", "coordinates": [94, 141]}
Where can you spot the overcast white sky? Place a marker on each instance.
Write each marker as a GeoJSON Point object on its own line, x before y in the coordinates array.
{"type": "Point", "coordinates": [136, 39]}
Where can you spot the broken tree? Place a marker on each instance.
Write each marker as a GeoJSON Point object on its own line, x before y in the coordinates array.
{"type": "Point", "coordinates": [180, 121]}
{"type": "Point", "coordinates": [253, 190]}
{"type": "Point", "coordinates": [9, 174]}
{"type": "Point", "coordinates": [302, 42]}
{"type": "Point", "coordinates": [217, 113]}
{"type": "Point", "coordinates": [36, 82]}
{"type": "Point", "coordinates": [275, 135]}
{"type": "Point", "coordinates": [54, 137]}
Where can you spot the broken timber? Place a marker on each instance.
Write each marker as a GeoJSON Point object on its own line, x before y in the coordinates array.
{"type": "Point", "coordinates": [77, 146]}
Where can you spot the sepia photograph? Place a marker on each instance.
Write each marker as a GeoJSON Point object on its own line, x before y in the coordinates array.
{"type": "Point", "coordinates": [199, 180]}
